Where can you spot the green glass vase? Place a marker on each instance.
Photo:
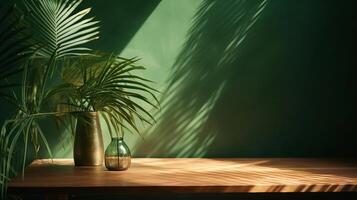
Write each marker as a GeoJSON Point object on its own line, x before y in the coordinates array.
{"type": "Point", "coordinates": [117, 155]}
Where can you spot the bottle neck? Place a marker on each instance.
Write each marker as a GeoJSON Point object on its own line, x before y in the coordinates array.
{"type": "Point", "coordinates": [117, 139]}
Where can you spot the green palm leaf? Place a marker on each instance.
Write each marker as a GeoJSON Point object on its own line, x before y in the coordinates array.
{"type": "Point", "coordinates": [58, 28]}
{"type": "Point", "coordinates": [104, 83]}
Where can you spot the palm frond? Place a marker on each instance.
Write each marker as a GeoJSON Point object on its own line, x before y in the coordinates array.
{"type": "Point", "coordinates": [58, 28]}
{"type": "Point", "coordinates": [104, 83]}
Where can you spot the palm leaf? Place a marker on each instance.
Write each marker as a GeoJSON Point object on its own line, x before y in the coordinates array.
{"type": "Point", "coordinates": [104, 83]}
{"type": "Point", "coordinates": [58, 28]}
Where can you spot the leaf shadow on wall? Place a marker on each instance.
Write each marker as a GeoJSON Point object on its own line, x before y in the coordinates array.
{"type": "Point", "coordinates": [284, 89]}
{"type": "Point", "coordinates": [185, 127]}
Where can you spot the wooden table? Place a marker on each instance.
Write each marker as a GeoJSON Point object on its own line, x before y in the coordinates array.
{"type": "Point", "coordinates": [189, 175]}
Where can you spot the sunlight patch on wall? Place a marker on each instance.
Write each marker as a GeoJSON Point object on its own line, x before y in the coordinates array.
{"type": "Point", "coordinates": [157, 43]}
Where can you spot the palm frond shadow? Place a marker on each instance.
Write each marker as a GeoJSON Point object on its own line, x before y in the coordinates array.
{"type": "Point", "coordinates": [286, 90]}
{"type": "Point", "coordinates": [185, 127]}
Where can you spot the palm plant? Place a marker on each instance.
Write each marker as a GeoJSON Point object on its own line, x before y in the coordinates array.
{"type": "Point", "coordinates": [107, 84]}
{"type": "Point", "coordinates": [92, 82]}
{"type": "Point", "coordinates": [57, 31]}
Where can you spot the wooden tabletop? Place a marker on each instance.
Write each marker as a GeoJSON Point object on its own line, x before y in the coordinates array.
{"type": "Point", "coordinates": [191, 175]}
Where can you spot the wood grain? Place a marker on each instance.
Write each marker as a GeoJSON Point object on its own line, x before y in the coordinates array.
{"type": "Point", "coordinates": [191, 175]}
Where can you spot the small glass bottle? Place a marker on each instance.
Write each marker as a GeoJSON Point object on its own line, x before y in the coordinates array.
{"type": "Point", "coordinates": [117, 155]}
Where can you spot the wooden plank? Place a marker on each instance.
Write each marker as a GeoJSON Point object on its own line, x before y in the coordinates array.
{"type": "Point", "coordinates": [191, 175]}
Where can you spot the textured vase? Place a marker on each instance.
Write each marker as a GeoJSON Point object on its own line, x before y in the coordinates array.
{"type": "Point", "coordinates": [88, 147]}
{"type": "Point", "coordinates": [117, 155]}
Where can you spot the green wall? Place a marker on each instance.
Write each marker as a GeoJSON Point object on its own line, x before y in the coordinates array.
{"type": "Point", "coordinates": [287, 89]}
